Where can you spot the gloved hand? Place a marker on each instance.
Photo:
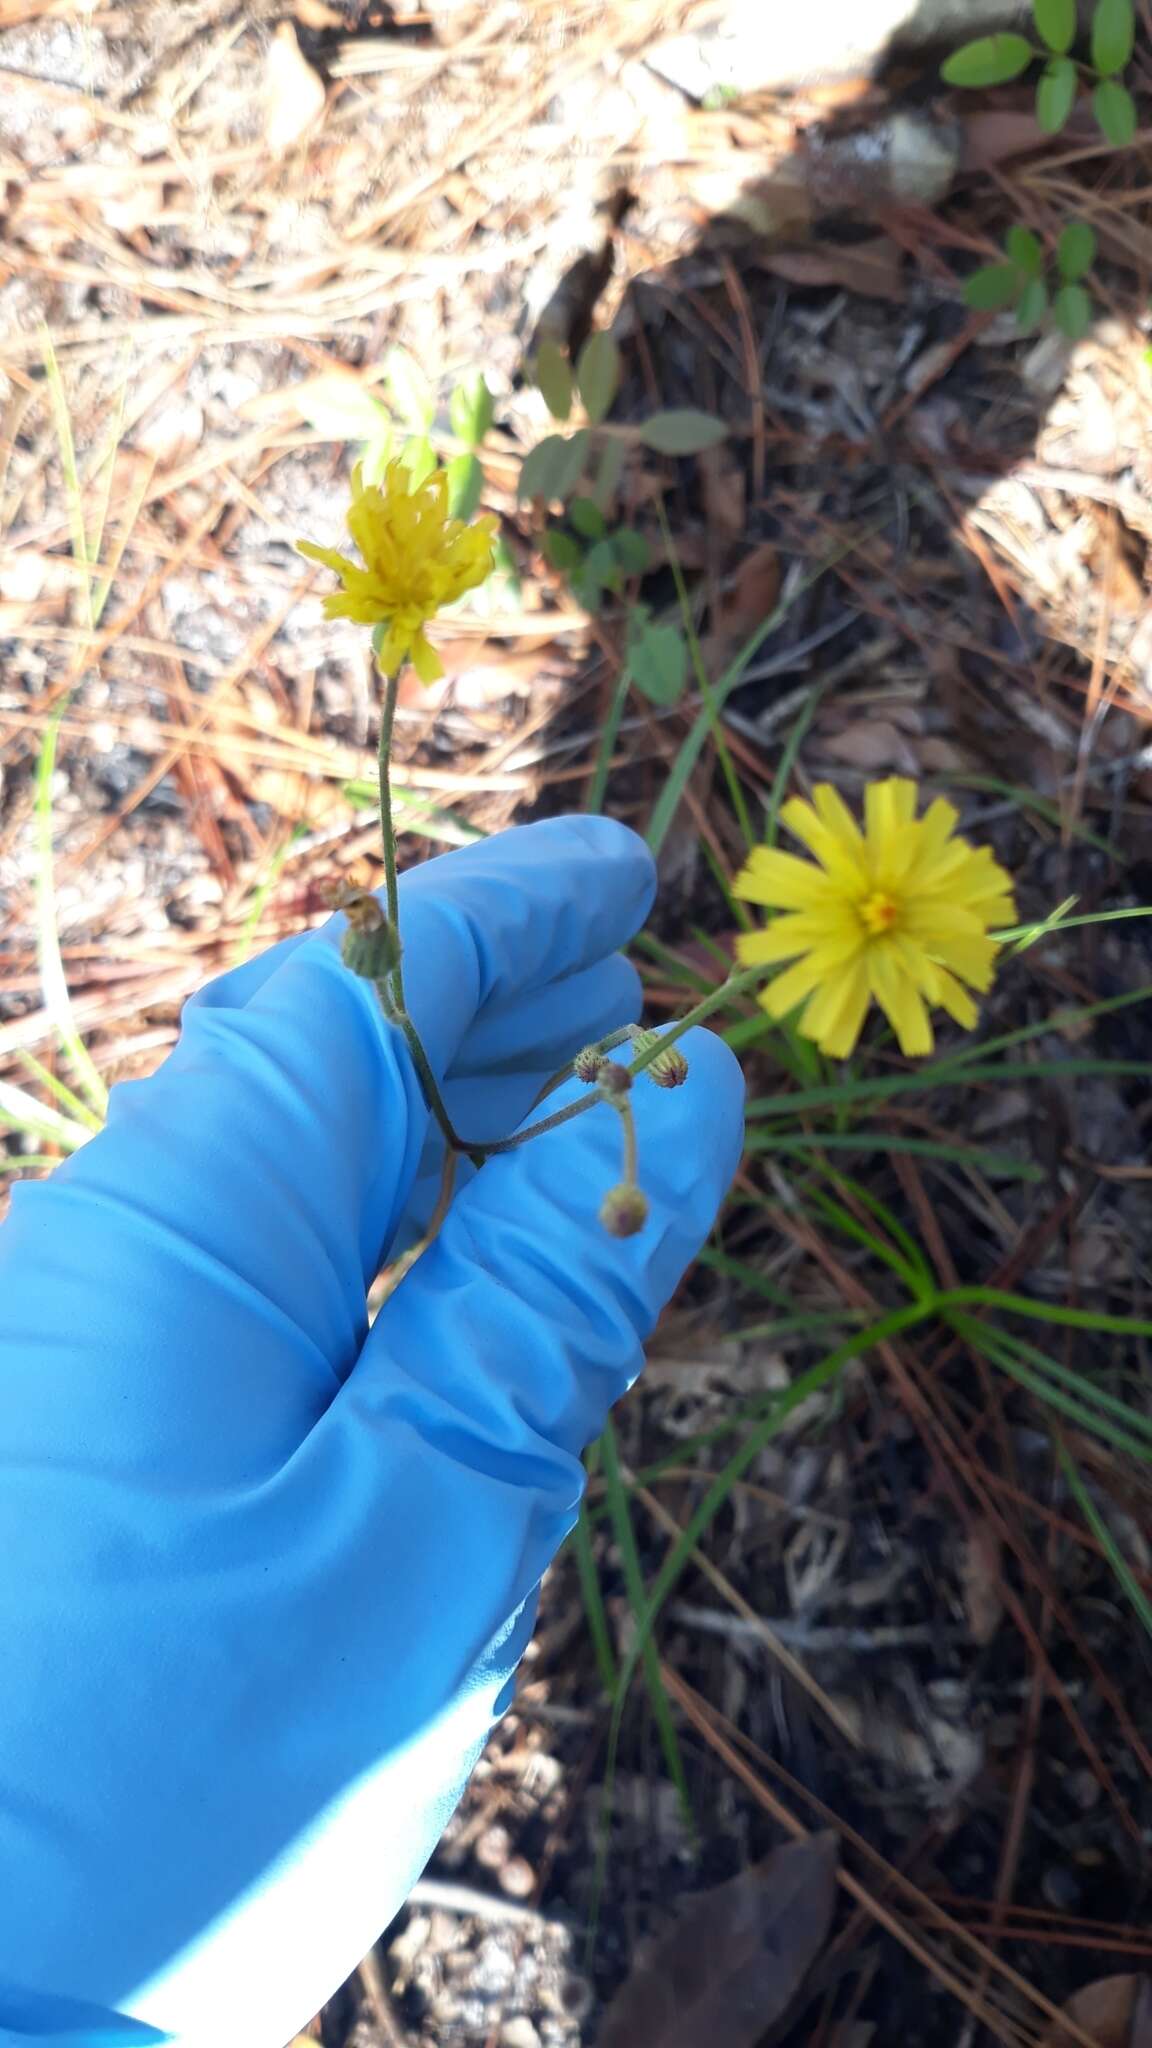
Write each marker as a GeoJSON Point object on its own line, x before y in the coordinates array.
{"type": "Point", "coordinates": [265, 1575]}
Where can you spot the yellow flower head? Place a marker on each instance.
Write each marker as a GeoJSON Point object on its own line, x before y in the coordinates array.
{"type": "Point", "coordinates": [416, 561]}
{"type": "Point", "coordinates": [899, 911]}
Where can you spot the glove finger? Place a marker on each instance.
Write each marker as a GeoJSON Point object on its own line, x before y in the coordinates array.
{"type": "Point", "coordinates": [491, 1101]}
{"type": "Point", "coordinates": [522, 911]}
{"type": "Point", "coordinates": [487, 929]}
{"type": "Point", "coordinates": [258, 1176]}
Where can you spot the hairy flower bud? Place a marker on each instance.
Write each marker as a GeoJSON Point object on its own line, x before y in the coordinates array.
{"type": "Point", "coordinates": [370, 947]}
{"type": "Point", "coordinates": [587, 1063]}
{"type": "Point", "coordinates": [624, 1210]}
{"type": "Point", "coordinates": [668, 1069]}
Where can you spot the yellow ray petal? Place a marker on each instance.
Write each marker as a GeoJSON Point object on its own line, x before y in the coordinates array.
{"type": "Point", "coordinates": [834, 813]}
{"type": "Point", "coordinates": [837, 856]}
{"type": "Point", "coordinates": [972, 959]}
{"type": "Point", "coordinates": [956, 1000]}
{"type": "Point", "coordinates": [800, 932]}
{"type": "Point", "coordinates": [835, 1015]}
{"type": "Point", "coordinates": [331, 558]}
{"type": "Point", "coordinates": [425, 660]}
{"type": "Point", "coordinates": [900, 1001]}
{"type": "Point", "coordinates": [796, 982]}
{"type": "Point", "coordinates": [780, 881]}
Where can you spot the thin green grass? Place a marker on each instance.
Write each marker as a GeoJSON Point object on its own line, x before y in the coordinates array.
{"type": "Point", "coordinates": [1126, 1578]}
{"type": "Point", "coordinates": [620, 1516]}
{"type": "Point", "coordinates": [71, 1103]}
{"type": "Point", "coordinates": [711, 700]}
{"type": "Point", "coordinates": [799, 1145]}
{"type": "Point", "coordinates": [668, 802]}
{"type": "Point", "coordinates": [788, 757]}
{"type": "Point", "coordinates": [594, 1608]}
{"type": "Point", "coordinates": [53, 981]}
{"type": "Point", "coordinates": [22, 1113]}
{"type": "Point", "coordinates": [606, 745]}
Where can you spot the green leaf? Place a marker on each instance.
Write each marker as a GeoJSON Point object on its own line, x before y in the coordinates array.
{"type": "Point", "coordinates": [1025, 251]}
{"type": "Point", "coordinates": [552, 469]}
{"type": "Point", "coordinates": [553, 373]}
{"type": "Point", "coordinates": [631, 551]}
{"type": "Point", "coordinates": [658, 659]}
{"type": "Point", "coordinates": [375, 457]}
{"type": "Point", "coordinates": [586, 590]}
{"type": "Point", "coordinates": [342, 409]}
{"type": "Point", "coordinates": [1115, 111]}
{"type": "Point", "coordinates": [562, 551]}
{"type": "Point", "coordinates": [1033, 304]}
{"type": "Point", "coordinates": [465, 483]}
{"type": "Point", "coordinates": [990, 60]}
{"type": "Point", "coordinates": [1055, 23]}
{"type": "Point", "coordinates": [410, 391]}
{"type": "Point", "coordinates": [471, 410]}
{"type": "Point", "coordinates": [1056, 94]}
{"type": "Point", "coordinates": [1072, 311]}
{"type": "Point", "coordinates": [418, 457]}
{"type": "Point", "coordinates": [609, 471]}
{"type": "Point", "coordinates": [682, 432]}
{"type": "Point", "coordinates": [587, 518]}
{"type": "Point", "coordinates": [995, 285]}
{"type": "Point", "coordinates": [1113, 32]}
{"type": "Point", "coordinates": [598, 375]}
{"type": "Point", "coordinates": [1075, 251]}
{"type": "Point", "coordinates": [601, 566]}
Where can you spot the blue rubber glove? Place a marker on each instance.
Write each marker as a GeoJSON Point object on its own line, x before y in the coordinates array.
{"type": "Point", "coordinates": [265, 1575]}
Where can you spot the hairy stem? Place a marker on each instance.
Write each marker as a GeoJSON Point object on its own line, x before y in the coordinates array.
{"type": "Point", "coordinates": [391, 993]}
{"type": "Point", "coordinates": [404, 1264]}
{"type": "Point", "coordinates": [628, 1121]}
{"type": "Point", "coordinates": [387, 829]}
{"type": "Point", "coordinates": [736, 984]}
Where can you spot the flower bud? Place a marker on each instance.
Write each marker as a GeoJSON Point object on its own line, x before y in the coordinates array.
{"type": "Point", "coordinates": [613, 1080]}
{"type": "Point", "coordinates": [624, 1210]}
{"type": "Point", "coordinates": [587, 1063]}
{"type": "Point", "coordinates": [668, 1069]}
{"type": "Point", "coordinates": [370, 946]}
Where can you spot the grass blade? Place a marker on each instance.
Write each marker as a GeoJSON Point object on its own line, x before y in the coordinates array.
{"type": "Point", "coordinates": [606, 747]}
{"type": "Point", "coordinates": [621, 1519]}
{"type": "Point", "coordinates": [1104, 1537]}
{"type": "Point", "coordinates": [52, 979]}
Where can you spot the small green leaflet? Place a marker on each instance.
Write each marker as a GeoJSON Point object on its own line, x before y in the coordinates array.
{"type": "Point", "coordinates": [990, 60]}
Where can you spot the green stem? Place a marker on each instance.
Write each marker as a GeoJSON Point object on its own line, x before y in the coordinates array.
{"type": "Point", "coordinates": [627, 1119]}
{"type": "Point", "coordinates": [391, 994]}
{"type": "Point", "coordinates": [566, 1072]}
{"type": "Point", "coordinates": [387, 829]}
{"type": "Point", "coordinates": [736, 984]}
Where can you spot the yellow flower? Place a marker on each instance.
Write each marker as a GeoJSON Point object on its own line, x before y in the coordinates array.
{"type": "Point", "coordinates": [416, 561]}
{"type": "Point", "coordinates": [899, 912]}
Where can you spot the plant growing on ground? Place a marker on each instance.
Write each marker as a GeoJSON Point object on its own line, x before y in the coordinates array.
{"type": "Point", "coordinates": [996, 59]}
{"type": "Point", "coordinates": [1022, 280]}
{"type": "Point", "coordinates": [581, 472]}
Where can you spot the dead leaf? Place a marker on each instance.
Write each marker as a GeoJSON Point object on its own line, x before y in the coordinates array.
{"type": "Point", "coordinates": [293, 93]}
{"type": "Point", "coordinates": [873, 268]}
{"type": "Point", "coordinates": [994, 135]}
{"type": "Point", "coordinates": [305, 799]}
{"type": "Point", "coordinates": [1115, 2011]}
{"type": "Point", "coordinates": [755, 588]}
{"type": "Point", "coordinates": [980, 1564]}
{"type": "Point", "coordinates": [723, 491]}
{"type": "Point", "coordinates": [871, 744]}
{"type": "Point", "coordinates": [734, 1959]}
